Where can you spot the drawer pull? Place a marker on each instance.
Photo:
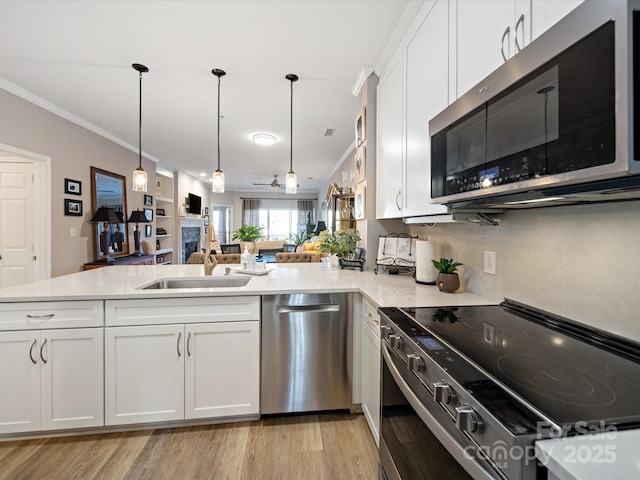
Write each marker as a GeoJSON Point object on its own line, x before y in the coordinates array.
{"type": "Point", "coordinates": [41, 350]}
{"type": "Point", "coordinates": [33, 360]}
{"type": "Point", "coordinates": [37, 317]}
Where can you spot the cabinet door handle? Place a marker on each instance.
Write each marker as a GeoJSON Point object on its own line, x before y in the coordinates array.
{"type": "Point", "coordinates": [397, 204]}
{"type": "Point", "coordinates": [188, 342]}
{"type": "Point", "coordinates": [41, 351]}
{"type": "Point", "coordinates": [178, 344]}
{"type": "Point", "coordinates": [36, 317]}
{"type": "Point", "coordinates": [504, 35]}
{"type": "Point", "coordinates": [33, 360]}
{"type": "Point", "coordinates": [519, 22]}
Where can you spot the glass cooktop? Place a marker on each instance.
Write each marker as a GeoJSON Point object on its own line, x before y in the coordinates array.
{"type": "Point", "coordinates": [571, 375]}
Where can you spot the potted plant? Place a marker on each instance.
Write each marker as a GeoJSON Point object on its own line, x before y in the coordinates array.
{"type": "Point", "coordinates": [299, 238]}
{"type": "Point", "coordinates": [341, 243]}
{"type": "Point", "coordinates": [447, 279]}
{"type": "Point", "coordinates": [248, 233]}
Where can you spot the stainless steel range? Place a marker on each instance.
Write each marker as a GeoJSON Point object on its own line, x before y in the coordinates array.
{"type": "Point", "coordinates": [468, 390]}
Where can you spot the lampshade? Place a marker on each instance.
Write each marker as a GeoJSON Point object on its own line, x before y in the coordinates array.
{"type": "Point", "coordinates": [139, 175]}
{"type": "Point", "coordinates": [137, 216]}
{"type": "Point", "coordinates": [320, 227]}
{"type": "Point", "coordinates": [106, 214]}
{"type": "Point", "coordinates": [291, 181]}
{"type": "Point", "coordinates": [217, 185]}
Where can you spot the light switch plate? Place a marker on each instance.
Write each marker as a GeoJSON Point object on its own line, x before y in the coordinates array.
{"type": "Point", "coordinates": [490, 262]}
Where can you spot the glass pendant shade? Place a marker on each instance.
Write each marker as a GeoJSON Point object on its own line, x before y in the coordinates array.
{"type": "Point", "coordinates": [217, 186]}
{"type": "Point", "coordinates": [291, 183]}
{"type": "Point", "coordinates": [139, 180]}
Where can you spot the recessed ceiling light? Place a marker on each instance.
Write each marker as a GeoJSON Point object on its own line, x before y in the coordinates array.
{"type": "Point", "coordinates": [264, 139]}
{"type": "Point", "coordinates": [203, 174]}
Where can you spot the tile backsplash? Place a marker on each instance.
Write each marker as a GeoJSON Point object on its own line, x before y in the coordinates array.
{"type": "Point", "coordinates": [581, 262]}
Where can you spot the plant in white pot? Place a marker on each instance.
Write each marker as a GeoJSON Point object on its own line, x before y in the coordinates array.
{"type": "Point", "coordinates": [447, 279]}
{"type": "Point", "coordinates": [341, 243]}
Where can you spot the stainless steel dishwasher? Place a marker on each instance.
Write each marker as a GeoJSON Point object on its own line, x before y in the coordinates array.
{"type": "Point", "coordinates": [306, 352]}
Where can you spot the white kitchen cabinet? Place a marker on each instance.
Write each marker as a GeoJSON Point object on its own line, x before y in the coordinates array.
{"type": "Point", "coordinates": [222, 369]}
{"type": "Point", "coordinates": [144, 374]}
{"type": "Point", "coordinates": [546, 13]}
{"type": "Point", "coordinates": [371, 363]}
{"type": "Point", "coordinates": [51, 379]}
{"type": "Point", "coordinates": [201, 360]}
{"type": "Point", "coordinates": [389, 158]}
{"type": "Point", "coordinates": [426, 88]}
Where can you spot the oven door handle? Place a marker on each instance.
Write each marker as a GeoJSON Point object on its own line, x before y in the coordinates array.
{"type": "Point", "coordinates": [469, 464]}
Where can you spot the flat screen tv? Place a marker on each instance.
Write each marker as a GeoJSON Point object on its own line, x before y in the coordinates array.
{"type": "Point", "coordinates": [194, 204]}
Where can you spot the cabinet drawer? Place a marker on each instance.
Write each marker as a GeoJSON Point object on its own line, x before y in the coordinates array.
{"type": "Point", "coordinates": [372, 319]}
{"type": "Point", "coordinates": [45, 315]}
{"type": "Point", "coordinates": [181, 310]}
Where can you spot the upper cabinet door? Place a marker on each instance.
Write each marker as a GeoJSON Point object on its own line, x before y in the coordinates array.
{"type": "Point", "coordinates": [427, 94]}
{"type": "Point", "coordinates": [389, 154]}
{"type": "Point", "coordinates": [484, 33]}
{"type": "Point", "coordinates": [545, 13]}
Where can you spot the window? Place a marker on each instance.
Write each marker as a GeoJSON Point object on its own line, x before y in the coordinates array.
{"type": "Point", "coordinates": [281, 218]}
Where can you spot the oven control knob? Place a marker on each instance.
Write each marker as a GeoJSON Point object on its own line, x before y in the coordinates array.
{"type": "Point", "coordinates": [415, 362]}
{"type": "Point", "coordinates": [443, 393]}
{"type": "Point", "coordinates": [385, 331]}
{"type": "Point", "coordinates": [467, 419]}
{"type": "Point", "coordinates": [396, 342]}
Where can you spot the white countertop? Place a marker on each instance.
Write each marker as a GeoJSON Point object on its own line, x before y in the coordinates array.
{"type": "Point", "coordinates": [610, 455]}
{"type": "Point", "coordinates": [120, 282]}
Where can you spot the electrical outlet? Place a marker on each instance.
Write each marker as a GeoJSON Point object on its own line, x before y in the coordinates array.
{"type": "Point", "coordinates": [490, 262]}
{"type": "Point", "coordinates": [73, 232]}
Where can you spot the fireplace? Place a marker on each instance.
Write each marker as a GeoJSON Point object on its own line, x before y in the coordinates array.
{"type": "Point", "coordinates": [189, 248]}
{"type": "Point", "coordinates": [191, 237]}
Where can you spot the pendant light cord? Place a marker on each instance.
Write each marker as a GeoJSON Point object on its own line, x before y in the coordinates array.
{"type": "Point", "coordinates": [218, 124]}
{"type": "Point", "coordinates": [291, 133]}
{"type": "Point", "coordinates": [140, 126]}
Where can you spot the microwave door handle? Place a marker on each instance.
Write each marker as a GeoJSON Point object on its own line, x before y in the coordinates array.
{"type": "Point", "coordinates": [519, 22]}
{"type": "Point", "coordinates": [504, 35]}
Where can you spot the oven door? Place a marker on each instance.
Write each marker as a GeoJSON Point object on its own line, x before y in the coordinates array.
{"type": "Point", "coordinates": [409, 449]}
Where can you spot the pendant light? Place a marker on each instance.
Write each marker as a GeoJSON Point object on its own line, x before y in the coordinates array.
{"type": "Point", "coordinates": [291, 181]}
{"type": "Point", "coordinates": [139, 175]}
{"type": "Point", "coordinates": [217, 185]}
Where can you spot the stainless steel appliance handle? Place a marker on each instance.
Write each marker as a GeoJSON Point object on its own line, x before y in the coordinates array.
{"type": "Point", "coordinates": [320, 308]}
{"type": "Point", "coordinates": [520, 21]}
{"type": "Point", "coordinates": [456, 451]}
{"type": "Point", "coordinates": [504, 35]}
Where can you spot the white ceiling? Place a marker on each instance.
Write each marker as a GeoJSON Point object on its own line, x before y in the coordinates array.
{"type": "Point", "coordinates": [78, 55]}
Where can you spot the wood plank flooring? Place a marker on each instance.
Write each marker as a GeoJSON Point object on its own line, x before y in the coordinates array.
{"type": "Point", "coordinates": [307, 447]}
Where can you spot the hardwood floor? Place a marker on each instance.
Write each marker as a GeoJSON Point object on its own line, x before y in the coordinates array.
{"type": "Point", "coordinates": [308, 447]}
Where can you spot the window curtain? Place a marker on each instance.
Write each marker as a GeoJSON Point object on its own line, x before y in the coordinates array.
{"type": "Point", "coordinates": [250, 211]}
{"type": "Point", "coordinates": [306, 215]}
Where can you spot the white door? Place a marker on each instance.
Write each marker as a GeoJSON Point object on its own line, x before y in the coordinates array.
{"type": "Point", "coordinates": [19, 382]}
{"type": "Point", "coordinates": [72, 378]}
{"type": "Point", "coordinates": [16, 223]}
{"type": "Point", "coordinates": [222, 375]}
{"type": "Point", "coordinates": [144, 374]}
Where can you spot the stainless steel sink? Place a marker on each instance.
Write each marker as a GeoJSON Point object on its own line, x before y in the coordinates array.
{"type": "Point", "coordinates": [196, 282]}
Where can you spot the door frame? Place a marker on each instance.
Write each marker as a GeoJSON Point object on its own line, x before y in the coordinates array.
{"type": "Point", "coordinates": [41, 214]}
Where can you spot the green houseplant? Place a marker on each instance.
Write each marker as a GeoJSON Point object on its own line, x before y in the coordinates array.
{"type": "Point", "coordinates": [341, 243]}
{"type": "Point", "coordinates": [299, 238]}
{"type": "Point", "coordinates": [248, 233]}
{"type": "Point", "coordinates": [447, 279]}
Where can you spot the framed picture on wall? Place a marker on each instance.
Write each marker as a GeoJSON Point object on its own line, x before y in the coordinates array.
{"type": "Point", "coordinates": [360, 164]}
{"type": "Point", "coordinates": [360, 127]}
{"type": "Point", "coordinates": [72, 187]}
{"type": "Point", "coordinates": [359, 201]}
{"type": "Point", "coordinates": [147, 230]}
{"type": "Point", "coordinates": [148, 213]}
{"type": "Point", "coordinates": [148, 200]}
{"type": "Point", "coordinates": [73, 207]}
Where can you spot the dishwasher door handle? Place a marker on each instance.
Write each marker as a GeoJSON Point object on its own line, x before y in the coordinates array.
{"type": "Point", "coordinates": [320, 308]}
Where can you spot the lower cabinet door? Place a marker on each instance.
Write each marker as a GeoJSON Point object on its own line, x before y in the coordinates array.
{"type": "Point", "coordinates": [71, 373]}
{"type": "Point", "coordinates": [371, 380]}
{"type": "Point", "coordinates": [19, 381]}
{"type": "Point", "coordinates": [144, 374]}
{"type": "Point", "coordinates": [222, 369]}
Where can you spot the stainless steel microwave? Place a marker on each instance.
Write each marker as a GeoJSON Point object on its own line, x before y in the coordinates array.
{"type": "Point", "coordinates": [557, 122]}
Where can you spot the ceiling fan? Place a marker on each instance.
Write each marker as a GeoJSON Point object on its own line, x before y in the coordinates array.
{"type": "Point", "coordinates": [274, 184]}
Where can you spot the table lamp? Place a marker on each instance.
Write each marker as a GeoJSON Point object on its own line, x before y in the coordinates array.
{"type": "Point", "coordinates": [137, 216]}
{"type": "Point", "coordinates": [105, 215]}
